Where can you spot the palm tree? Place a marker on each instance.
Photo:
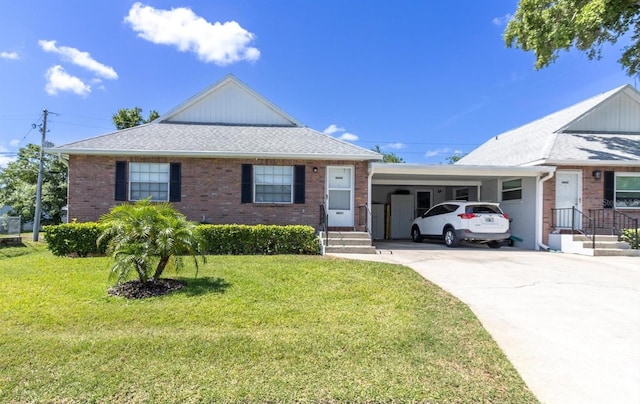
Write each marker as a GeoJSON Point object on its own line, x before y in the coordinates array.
{"type": "Point", "coordinates": [147, 237]}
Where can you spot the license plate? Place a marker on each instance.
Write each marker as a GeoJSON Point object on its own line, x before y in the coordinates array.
{"type": "Point", "coordinates": [488, 219]}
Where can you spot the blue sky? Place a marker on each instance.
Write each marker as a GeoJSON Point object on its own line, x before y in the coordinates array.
{"type": "Point", "coordinates": [422, 79]}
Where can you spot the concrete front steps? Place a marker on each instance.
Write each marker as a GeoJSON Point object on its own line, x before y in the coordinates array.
{"type": "Point", "coordinates": [347, 242]}
{"type": "Point", "coordinates": [580, 244]}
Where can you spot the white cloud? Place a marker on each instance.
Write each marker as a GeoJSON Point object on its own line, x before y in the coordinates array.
{"type": "Point", "coordinates": [333, 128]}
{"type": "Point", "coordinates": [14, 142]}
{"type": "Point", "coordinates": [396, 146]}
{"type": "Point", "coordinates": [504, 20]}
{"type": "Point", "coordinates": [5, 160]}
{"type": "Point", "coordinates": [349, 137]}
{"type": "Point", "coordinates": [79, 58]}
{"type": "Point", "coordinates": [10, 55]}
{"type": "Point", "coordinates": [219, 43]}
{"type": "Point", "coordinates": [59, 80]}
{"type": "Point", "coordinates": [437, 152]}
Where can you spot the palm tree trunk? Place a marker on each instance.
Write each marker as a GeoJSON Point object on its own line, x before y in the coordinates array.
{"type": "Point", "coordinates": [160, 268]}
{"type": "Point", "coordinates": [142, 274]}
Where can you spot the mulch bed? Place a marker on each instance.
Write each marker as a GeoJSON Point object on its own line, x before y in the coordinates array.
{"type": "Point", "coordinates": [140, 290]}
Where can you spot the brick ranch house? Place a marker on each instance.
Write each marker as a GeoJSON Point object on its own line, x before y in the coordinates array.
{"type": "Point", "coordinates": [595, 148]}
{"type": "Point", "coordinates": [226, 155]}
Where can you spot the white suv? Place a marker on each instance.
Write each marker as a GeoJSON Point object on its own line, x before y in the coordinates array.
{"type": "Point", "coordinates": [453, 221]}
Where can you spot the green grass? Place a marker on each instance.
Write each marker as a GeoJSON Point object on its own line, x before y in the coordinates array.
{"type": "Point", "coordinates": [248, 329]}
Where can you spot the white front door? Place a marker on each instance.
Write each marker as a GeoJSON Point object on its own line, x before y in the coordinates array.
{"type": "Point", "coordinates": [340, 196]}
{"type": "Point", "coordinates": [568, 195]}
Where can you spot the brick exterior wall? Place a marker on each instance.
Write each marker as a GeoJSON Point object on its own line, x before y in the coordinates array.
{"type": "Point", "coordinates": [592, 194]}
{"type": "Point", "coordinates": [211, 190]}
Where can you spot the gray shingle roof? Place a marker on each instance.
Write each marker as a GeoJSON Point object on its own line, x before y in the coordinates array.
{"type": "Point", "coordinates": [203, 140]}
{"type": "Point", "coordinates": [549, 140]}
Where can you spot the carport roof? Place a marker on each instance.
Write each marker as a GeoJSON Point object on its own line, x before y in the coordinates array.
{"type": "Point", "coordinates": [439, 172]}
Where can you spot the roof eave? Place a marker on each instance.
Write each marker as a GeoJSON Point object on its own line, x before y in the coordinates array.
{"type": "Point", "coordinates": [592, 163]}
{"type": "Point", "coordinates": [211, 154]}
{"type": "Point", "coordinates": [450, 169]}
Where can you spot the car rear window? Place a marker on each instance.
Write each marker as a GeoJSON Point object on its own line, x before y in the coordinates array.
{"type": "Point", "coordinates": [482, 209]}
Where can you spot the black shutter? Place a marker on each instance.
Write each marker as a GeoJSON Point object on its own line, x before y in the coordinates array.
{"type": "Point", "coordinates": [121, 181]}
{"type": "Point", "coordinates": [298, 184]}
{"type": "Point", "coordinates": [609, 189]}
{"type": "Point", "coordinates": [175, 192]}
{"type": "Point", "coordinates": [246, 194]}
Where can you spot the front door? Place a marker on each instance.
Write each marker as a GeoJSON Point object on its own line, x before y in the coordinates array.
{"type": "Point", "coordinates": [568, 195]}
{"type": "Point", "coordinates": [340, 196]}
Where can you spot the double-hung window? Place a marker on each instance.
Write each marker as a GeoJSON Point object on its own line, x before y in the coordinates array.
{"type": "Point", "coordinates": [273, 184]}
{"type": "Point", "coordinates": [627, 190]}
{"type": "Point", "coordinates": [149, 180]}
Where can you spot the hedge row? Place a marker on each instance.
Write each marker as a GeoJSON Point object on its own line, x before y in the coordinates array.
{"type": "Point", "coordinates": [74, 239]}
{"type": "Point", "coordinates": [256, 240]}
{"type": "Point", "coordinates": [229, 239]}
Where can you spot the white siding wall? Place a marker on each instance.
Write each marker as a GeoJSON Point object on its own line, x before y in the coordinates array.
{"type": "Point", "coordinates": [231, 105]}
{"type": "Point", "coordinates": [620, 114]}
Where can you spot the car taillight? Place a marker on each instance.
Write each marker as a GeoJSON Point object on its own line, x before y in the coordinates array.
{"type": "Point", "coordinates": [466, 215]}
{"type": "Point", "coordinates": [505, 215]}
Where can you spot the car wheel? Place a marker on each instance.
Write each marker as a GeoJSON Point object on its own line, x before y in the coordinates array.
{"type": "Point", "coordinates": [415, 234]}
{"type": "Point", "coordinates": [494, 244]}
{"type": "Point", "coordinates": [450, 238]}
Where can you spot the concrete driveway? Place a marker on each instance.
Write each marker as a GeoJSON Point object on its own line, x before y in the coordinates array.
{"type": "Point", "coordinates": [569, 324]}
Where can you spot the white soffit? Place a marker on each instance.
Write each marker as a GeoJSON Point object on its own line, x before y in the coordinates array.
{"type": "Point", "coordinates": [384, 169]}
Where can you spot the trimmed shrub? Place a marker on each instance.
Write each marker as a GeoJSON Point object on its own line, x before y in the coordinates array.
{"type": "Point", "coordinates": [629, 235]}
{"type": "Point", "coordinates": [74, 238]}
{"type": "Point", "coordinates": [217, 239]}
{"type": "Point", "coordinates": [235, 239]}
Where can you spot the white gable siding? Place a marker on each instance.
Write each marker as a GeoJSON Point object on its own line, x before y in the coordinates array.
{"type": "Point", "coordinates": [619, 114]}
{"type": "Point", "coordinates": [230, 104]}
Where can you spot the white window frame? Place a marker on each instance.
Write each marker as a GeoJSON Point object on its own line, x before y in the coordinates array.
{"type": "Point", "coordinates": [615, 191]}
{"type": "Point", "coordinates": [137, 175]}
{"type": "Point", "coordinates": [261, 179]}
{"type": "Point", "coordinates": [502, 190]}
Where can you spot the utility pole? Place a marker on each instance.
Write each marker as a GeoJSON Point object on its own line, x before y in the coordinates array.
{"type": "Point", "coordinates": [36, 217]}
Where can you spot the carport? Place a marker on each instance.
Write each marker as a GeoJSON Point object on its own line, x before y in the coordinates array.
{"type": "Point", "coordinates": [400, 192]}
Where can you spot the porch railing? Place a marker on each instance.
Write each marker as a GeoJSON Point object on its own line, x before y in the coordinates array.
{"type": "Point", "coordinates": [616, 222]}
{"type": "Point", "coordinates": [363, 216]}
{"type": "Point", "coordinates": [324, 223]}
{"type": "Point", "coordinates": [576, 221]}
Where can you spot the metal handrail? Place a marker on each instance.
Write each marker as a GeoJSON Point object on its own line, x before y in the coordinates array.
{"type": "Point", "coordinates": [576, 222]}
{"type": "Point", "coordinates": [324, 222]}
{"type": "Point", "coordinates": [367, 215]}
{"type": "Point", "coordinates": [616, 221]}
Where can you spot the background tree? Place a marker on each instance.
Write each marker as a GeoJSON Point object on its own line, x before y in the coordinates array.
{"type": "Point", "coordinates": [455, 157]}
{"type": "Point", "coordinates": [18, 185]}
{"type": "Point", "coordinates": [128, 118]}
{"type": "Point", "coordinates": [548, 26]}
{"type": "Point", "coordinates": [147, 237]}
{"type": "Point", "coordinates": [388, 157]}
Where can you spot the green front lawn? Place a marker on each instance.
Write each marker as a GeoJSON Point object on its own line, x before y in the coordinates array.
{"type": "Point", "coordinates": [248, 329]}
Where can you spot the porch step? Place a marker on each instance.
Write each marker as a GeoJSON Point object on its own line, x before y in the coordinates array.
{"type": "Point", "coordinates": [607, 245]}
{"type": "Point", "coordinates": [347, 242]}
{"type": "Point", "coordinates": [616, 252]}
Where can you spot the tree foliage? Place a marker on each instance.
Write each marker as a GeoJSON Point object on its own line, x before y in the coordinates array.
{"type": "Point", "coordinates": [455, 157]}
{"type": "Point", "coordinates": [388, 157]}
{"type": "Point", "coordinates": [548, 26]}
{"type": "Point", "coordinates": [128, 118]}
{"type": "Point", "coordinates": [147, 237]}
{"type": "Point", "coordinates": [18, 183]}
